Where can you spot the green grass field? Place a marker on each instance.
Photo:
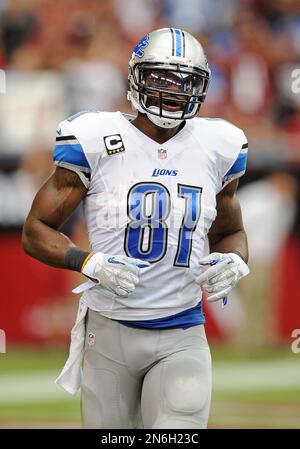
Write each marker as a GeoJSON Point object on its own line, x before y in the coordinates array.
{"type": "Point", "coordinates": [251, 390]}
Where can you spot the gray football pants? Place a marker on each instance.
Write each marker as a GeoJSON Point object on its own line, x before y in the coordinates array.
{"type": "Point", "coordinates": [135, 378]}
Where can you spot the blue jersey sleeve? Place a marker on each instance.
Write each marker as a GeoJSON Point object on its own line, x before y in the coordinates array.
{"type": "Point", "coordinates": [239, 166]}
{"type": "Point", "coordinates": [69, 153]}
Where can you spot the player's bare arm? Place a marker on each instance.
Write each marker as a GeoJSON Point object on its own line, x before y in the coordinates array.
{"type": "Point", "coordinates": [52, 206]}
{"type": "Point", "coordinates": [227, 233]}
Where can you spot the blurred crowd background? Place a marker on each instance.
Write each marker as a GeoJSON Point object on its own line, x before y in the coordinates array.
{"type": "Point", "coordinates": [62, 56]}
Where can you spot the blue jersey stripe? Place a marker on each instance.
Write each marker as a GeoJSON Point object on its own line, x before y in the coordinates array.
{"type": "Point", "coordinates": [184, 320]}
{"type": "Point", "coordinates": [239, 165]}
{"type": "Point", "coordinates": [72, 154]}
{"type": "Point", "coordinates": [178, 36]}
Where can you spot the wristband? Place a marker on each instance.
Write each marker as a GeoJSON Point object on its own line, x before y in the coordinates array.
{"type": "Point", "coordinates": [76, 258]}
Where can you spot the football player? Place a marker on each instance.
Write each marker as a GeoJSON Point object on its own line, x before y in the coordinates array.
{"type": "Point", "coordinates": [156, 188]}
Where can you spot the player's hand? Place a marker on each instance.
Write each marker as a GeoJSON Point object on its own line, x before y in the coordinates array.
{"type": "Point", "coordinates": [221, 273]}
{"type": "Point", "coordinates": [117, 274]}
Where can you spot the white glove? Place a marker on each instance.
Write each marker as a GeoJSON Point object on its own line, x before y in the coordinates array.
{"type": "Point", "coordinates": [117, 274]}
{"type": "Point", "coordinates": [225, 270]}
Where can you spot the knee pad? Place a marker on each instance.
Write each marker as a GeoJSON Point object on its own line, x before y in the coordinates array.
{"type": "Point", "coordinates": [187, 385]}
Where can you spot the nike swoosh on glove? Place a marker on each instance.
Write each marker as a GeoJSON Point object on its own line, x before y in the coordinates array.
{"type": "Point", "coordinates": [117, 274]}
{"type": "Point", "coordinates": [221, 273]}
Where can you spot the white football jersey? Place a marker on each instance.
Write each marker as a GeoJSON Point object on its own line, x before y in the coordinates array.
{"type": "Point", "coordinates": [151, 201]}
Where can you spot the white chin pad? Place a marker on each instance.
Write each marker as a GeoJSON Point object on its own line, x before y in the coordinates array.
{"type": "Point", "coordinates": [164, 122]}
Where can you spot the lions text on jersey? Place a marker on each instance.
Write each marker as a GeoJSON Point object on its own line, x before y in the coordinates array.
{"type": "Point", "coordinates": [152, 202]}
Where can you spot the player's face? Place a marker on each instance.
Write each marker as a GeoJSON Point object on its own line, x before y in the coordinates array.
{"type": "Point", "coordinates": [173, 86]}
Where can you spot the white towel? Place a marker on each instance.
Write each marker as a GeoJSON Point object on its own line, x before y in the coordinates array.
{"type": "Point", "coordinates": [70, 377]}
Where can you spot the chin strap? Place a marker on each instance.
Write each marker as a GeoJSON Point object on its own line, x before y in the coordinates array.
{"type": "Point", "coordinates": [162, 122]}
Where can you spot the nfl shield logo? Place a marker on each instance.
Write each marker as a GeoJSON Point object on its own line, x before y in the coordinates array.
{"type": "Point", "coordinates": [91, 339]}
{"type": "Point", "coordinates": [162, 154]}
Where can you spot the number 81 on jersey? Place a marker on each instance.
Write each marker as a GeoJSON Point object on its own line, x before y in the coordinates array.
{"type": "Point", "coordinates": [153, 228]}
